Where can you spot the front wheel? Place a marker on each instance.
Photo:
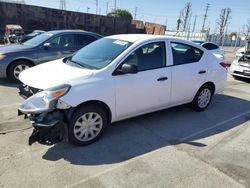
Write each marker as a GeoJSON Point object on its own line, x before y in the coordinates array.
{"type": "Point", "coordinates": [16, 68]}
{"type": "Point", "coordinates": [87, 125]}
{"type": "Point", "coordinates": [202, 98]}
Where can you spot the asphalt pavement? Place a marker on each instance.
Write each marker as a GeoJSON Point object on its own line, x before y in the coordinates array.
{"type": "Point", "coordinates": [176, 147]}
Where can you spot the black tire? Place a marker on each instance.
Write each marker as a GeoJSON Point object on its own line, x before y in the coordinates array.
{"type": "Point", "coordinates": [195, 103]}
{"type": "Point", "coordinates": [85, 109]}
{"type": "Point", "coordinates": [13, 66]}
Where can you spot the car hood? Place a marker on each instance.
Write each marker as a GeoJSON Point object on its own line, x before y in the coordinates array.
{"type": "Point", "coordinates": [13, 48]}
{"type": "Point", "coordinates": [51, 74]}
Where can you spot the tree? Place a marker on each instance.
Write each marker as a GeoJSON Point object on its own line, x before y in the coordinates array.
{"type": "Point", "coordinates": [246, 29]}
{"type": "Point", "coordinates": [121, 14]}
{"type": "Point", "coordinates": [223, 21]}
{"type": "Point", "coordinates": [185, 15]}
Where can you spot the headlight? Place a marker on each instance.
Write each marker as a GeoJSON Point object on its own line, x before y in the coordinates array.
{"type": "Point", "coordinates": [44, 100]}
{"type": "Point", "coordinates": [2, 56]}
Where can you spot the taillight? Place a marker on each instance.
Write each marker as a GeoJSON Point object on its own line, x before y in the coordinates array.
{"type": "Point", "coordinates": [224, 65]}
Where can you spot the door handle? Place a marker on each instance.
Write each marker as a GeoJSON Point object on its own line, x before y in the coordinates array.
{"type": "Point", "coordinates": [162, 79]}
{"type": "Point", "coordinates": [202, 72]}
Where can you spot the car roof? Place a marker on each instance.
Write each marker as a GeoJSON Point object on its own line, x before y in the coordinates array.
{"type": "Point", "coordinates": [72, 31]}
{"type": "Point", "coordinates": [136, 37]}
{"type": "Point", "coordinates": [145, 37]}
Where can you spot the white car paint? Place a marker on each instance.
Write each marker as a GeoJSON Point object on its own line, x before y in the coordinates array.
{"type": "Point", "coordinates": [240, 52]}
{"type": "Point", "coordinates": [218, 52]}
{"type": "Point", "coordinates": [240, 69]}
{"type": "Point", "coordinates": [52, 74]}
{"type": "Point", "coordinates": [130, 95]}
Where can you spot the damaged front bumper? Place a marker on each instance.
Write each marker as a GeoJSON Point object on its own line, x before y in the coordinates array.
{"type": "Point", "coordinates": [49, 127]}
{"type": "Point", "coordinates": [47, 113]}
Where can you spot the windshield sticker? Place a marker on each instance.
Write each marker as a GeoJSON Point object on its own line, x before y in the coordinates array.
{"type": "Point", "coordinates": [120, 42]}
{"type": "Point", "coordinates": [49, 34]}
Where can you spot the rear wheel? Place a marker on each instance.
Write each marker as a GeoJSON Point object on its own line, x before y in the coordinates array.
{"type": "Point", "coordinates": [16, 68]}
{"type": "Point", "coordinates": [87, 125]}
{"type": "Point", "coordinates": [202, 98]}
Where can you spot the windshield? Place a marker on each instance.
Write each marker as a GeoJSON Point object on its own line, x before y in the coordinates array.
{"type": "Point", "coordinates": [38, 39]}
{"type": "Point", "coordinates": [100, 53]}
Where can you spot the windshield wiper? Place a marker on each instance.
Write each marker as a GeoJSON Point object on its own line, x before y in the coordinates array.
{"type": "Point", "coordinates": [76, 63]}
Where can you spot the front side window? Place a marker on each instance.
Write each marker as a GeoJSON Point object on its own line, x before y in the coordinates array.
{"type": "Point", "coordinates": [183, 53]}
{"type": "Point", "coordinates": [149, 56]}
{"type": "Point", "coordinates": [100, 53]}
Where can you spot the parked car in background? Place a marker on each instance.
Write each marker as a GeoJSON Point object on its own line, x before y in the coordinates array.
{"type": "Point", "coordinates": [42, 48]}
{"type": "Point", "coordinates": [115, 78]}
{"type": "Point", "coordinates": [241, 66]}
{"type": "Point", "coordinates": [31, 35]}
{"type": "Point", "coordinates": [13, 34]}
{"type": "Point", "coordinates": [212, 47]}
{"type": "Point", "coordinates": [240, 52]}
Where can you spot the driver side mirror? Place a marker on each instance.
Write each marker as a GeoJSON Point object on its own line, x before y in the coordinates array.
{"type": "Point", "coordinates": [46, 46]}
{"type": "Point", "coordinates": [126, 69]}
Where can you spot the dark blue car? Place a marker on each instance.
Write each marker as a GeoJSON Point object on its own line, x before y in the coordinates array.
{"type": "Point", "coordinates": [42, 48]}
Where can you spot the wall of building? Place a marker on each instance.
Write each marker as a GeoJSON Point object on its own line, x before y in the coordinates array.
{"type": "Point", "coordinates": [40, 18]}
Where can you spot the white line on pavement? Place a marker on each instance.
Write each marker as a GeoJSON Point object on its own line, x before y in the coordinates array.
{"type": "Point", "coordinates": [216, 125]}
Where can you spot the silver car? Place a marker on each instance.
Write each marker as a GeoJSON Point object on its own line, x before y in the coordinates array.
{"type": "Point", "coordinates": [42, 48]}
{"type": "Point", "coordinates": [241, 66]}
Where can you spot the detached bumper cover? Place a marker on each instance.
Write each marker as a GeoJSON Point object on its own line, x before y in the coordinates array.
{"type": "Point", "coordinates": [49, 128]}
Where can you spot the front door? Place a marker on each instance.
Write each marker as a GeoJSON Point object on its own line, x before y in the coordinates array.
{"type": "Point", "coordinates": [147, 90]}
{"type": "Point", "coordinates": [59, 47]}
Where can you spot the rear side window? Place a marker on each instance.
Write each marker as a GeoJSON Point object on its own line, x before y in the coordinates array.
{"type": "Point", "coordinates": [83, 39]}
{"type": "Point", "coordinates": [183, 53]}
{"type": "Point", "coordinates": [210, 46]}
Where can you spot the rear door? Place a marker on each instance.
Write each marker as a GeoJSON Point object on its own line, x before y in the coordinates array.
{"type": "Point", "coordinates": [188, 72]}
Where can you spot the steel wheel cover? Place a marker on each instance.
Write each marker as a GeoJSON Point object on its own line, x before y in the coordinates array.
{"type": "Point", "coordinates": [19, 68]}
{"type": "Point", "coordinates": [88, 126]}
{"type": "Point", "coordinates": [204, 98]}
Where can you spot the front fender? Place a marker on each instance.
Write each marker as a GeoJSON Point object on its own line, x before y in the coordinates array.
{"type": "Point", "coordinates": [95, 90]}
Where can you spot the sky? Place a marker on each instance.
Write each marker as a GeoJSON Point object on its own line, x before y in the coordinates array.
{"type": "Point", "coordinates": [163, 11]}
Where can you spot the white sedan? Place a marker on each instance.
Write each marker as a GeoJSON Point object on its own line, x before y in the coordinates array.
{"type": "Point", "coordinates": [213, 48]}
{"type": "Point", "coordinates": [240, 52]}
{"type": "Point", "coordinates": [241, 66]}
{"type": "Point", "coordinates": [116, 78]}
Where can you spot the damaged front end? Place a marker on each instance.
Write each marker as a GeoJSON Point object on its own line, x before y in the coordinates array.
{"type": "Point", "coordinates": [47, 113]}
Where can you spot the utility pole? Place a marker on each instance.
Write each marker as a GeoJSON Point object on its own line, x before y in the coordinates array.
{"type": "Point", "coordinates": [115, 5]}
{"type": "Point", "coordinates": [205, 17]}
{"type": "Point", "coordinates": [136, 9]}
{"type": "Point", "coordinates": [194, 23]}
{"type": "Point", "coordinates": [96, 4]}
{"type": "Point", "coordinates": [63, 4]}
{"type": "Point", "coordinates": [107, 8]}
{"type": "Point", "coordinates": [166, 22]}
